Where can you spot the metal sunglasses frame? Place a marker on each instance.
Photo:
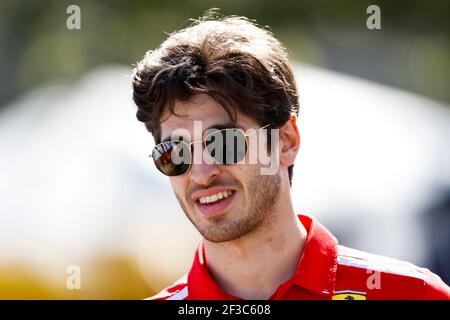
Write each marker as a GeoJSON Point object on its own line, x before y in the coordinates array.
{"type": "Point", "coordinates": [204, 145]}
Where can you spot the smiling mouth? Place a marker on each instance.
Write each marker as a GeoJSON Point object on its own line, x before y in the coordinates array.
{"type": "Point", "coordinates": [215, 204]}
{"type": "Point", "coordinates": [215, 197]}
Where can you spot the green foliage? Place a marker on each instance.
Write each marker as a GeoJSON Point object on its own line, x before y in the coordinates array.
{"type": "Point", "coordinates": [411, 50]}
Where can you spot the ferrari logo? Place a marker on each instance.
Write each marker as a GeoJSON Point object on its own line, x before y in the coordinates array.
{"type": "Point", "coordinates": [349, 295]}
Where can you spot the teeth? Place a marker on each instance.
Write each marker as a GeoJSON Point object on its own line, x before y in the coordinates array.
{"type": "Point", "coordinates": [215, 197]}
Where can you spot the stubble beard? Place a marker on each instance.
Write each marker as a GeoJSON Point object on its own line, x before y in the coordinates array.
{"type": "Point", "coordinates": [263, 192]}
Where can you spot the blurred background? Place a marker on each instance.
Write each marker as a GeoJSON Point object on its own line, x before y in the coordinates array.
{"type": "Point", "coordinates": [77, 186]}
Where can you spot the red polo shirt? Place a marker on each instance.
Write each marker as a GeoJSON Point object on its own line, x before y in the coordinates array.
{"type": "Point", "coordinates": [327, 271]}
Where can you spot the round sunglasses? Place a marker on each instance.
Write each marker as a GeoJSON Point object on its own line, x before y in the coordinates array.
{"type": "Point", "coordinates": [225, 146]}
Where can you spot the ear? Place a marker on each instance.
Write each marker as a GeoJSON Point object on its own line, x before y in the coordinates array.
{"type": "Point", "coordinates": [289, 142]}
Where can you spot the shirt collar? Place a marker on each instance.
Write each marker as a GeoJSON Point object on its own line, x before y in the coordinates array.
{"type": "Point", "coordinates": [316, 270]}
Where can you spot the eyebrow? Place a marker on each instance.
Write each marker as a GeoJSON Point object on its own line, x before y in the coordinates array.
{"type": "Point", "coordinates": [221, 126]}
{"type": "Point", "coordinates": [218, 126]}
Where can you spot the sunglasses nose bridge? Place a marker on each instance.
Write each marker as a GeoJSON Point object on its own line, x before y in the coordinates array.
{"type": "Point", "coordinates": [200, 152]}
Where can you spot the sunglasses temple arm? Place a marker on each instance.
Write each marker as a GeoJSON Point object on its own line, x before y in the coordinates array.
{"type": "Point", "coordinates": [258, 130]}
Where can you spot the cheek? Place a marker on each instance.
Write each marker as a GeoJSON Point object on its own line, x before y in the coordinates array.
{"type": "Point", "coordinates": [179, 185]}
{"type": "Point", "coordinates": [246, 169]}
{"type": "Point", "coordinates": [242, 174]}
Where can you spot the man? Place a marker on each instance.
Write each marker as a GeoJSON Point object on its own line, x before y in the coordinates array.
{"type": "Point", "coordinates": [225, 77]}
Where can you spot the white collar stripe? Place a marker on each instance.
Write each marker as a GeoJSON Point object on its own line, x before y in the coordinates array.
{"type": "Point", "coordinates": [180, 295]}
{"type": "Point", "coordinates": [380, 267]}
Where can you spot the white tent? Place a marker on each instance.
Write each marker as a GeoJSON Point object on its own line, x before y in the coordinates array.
{"type": "Point", "coordinates": [76, 179]}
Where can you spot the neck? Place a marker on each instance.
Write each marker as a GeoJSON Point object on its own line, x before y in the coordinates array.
{"type": "Point", "coordinates": [253, 266]}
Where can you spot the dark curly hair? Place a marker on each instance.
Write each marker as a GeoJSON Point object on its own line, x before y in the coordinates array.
{"type": "Point", "coordinates": [239, 64]}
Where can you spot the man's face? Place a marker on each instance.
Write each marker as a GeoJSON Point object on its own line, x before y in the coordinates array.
{"type": "Point", "coordinates": [247, 197]}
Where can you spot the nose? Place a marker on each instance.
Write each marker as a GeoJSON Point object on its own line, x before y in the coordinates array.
{"type": "Point", "coordinates": [204, 173]}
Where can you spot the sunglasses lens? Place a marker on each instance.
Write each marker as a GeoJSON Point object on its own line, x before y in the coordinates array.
{"type": "Point", "coordinates": [172, 158]}
{"type": "Point", "coordinates": [227, 146]}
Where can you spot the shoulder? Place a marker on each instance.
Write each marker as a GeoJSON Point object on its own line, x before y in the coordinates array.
{"type": "Point", "coordinates": [380, 277]}
{"type": "Point", "coordinates": [176, 291]}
